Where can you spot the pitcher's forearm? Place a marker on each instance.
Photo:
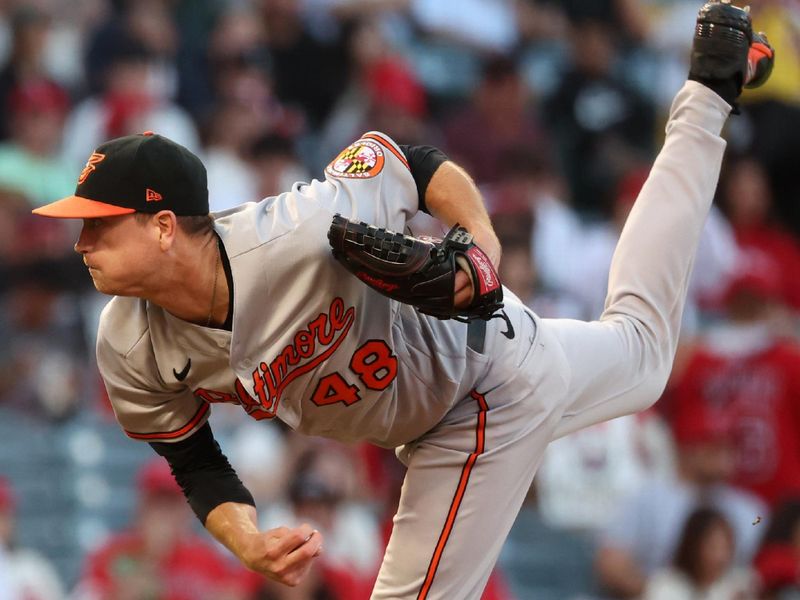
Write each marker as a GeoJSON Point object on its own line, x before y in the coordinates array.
{"type": "Point", "coordinates": [231, 523]}
{"type": "Point", "coordinates": [452, 197]}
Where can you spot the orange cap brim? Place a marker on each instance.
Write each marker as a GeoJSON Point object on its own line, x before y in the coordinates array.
{"type": "Point", "coordinates": [75, 207]}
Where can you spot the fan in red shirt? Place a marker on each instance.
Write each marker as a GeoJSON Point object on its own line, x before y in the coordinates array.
{"type": "Point", "coordinates": [745, 196]}
{"type": "Point", "coordinates": [745, 374]}
{"type": "Point", "coordinates": [159, 557]}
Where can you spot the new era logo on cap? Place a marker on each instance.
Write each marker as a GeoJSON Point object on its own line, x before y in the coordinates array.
{"type": "Point", "coordinates": [136, 173]}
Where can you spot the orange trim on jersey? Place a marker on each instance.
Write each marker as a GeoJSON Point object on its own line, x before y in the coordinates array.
{"type": "Point", "coordinates": [480, 438]}
{"type": "Point", "coordinates": [389, 146]}
{"type": "Point", "coordinates": [170, 435]}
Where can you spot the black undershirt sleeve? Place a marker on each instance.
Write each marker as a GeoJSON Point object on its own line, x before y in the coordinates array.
{"type": "Point", "coordinates": [203, 472]}
{"type": "Point", "coordinates": [423, 161]}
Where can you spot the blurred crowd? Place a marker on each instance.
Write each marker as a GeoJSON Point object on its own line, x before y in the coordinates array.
{"type": "Point", "coordinates": [556, 107]}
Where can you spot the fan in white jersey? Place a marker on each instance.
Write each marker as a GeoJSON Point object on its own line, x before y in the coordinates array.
{"type": "Point", "coordinates": [249, 307]}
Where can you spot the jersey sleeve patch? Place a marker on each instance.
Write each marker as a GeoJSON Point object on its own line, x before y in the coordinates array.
{"type": "Point", "coordinates": [363, 159]}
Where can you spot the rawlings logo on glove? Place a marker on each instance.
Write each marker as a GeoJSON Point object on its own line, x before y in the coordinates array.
{"type": "Point", "coordinates": [417, 271]}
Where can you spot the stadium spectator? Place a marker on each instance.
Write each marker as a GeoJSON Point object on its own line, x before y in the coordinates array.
{"type": "Point", "coordinates": [245, 109]}
{"type": "Point", "coordinates": [702, 566]}
{"type": "Point", "coordinates": [29, 159]}
{"type": "Point", "coordinates": [517, 271]}
{"type": "Point", "coordinates": [239, 65]}
{"type": "Point", "coordinates": [396, 100]}
{"type": "Point", "coordinates": [746, 374]}
{"type": "Point", "coordinates": [572, 255]}
{"type": "Point", "coordinates": [602, 125]}
{"type": "Point", "coordinates": [26, 574]}
{"type": "Point", "coordinates": [275, 164]}
{"type": "Point", "coordinates": [24, 241]}
{"type": "Point", "coordinates": [44, 334]}
{"type": "Point", "coordinates": [71, 28]}
{"type": "Point", "coordinates": [586, 474]}
{"type": "Point", "coordinates": [133, 99]}
{"type": "Point", "coordinates": [232, 129]}
{"type": "Point", "coordinates": [497, 119]}
{"type": "Point", "coordinates": [30, 27]}
{"type": "Point", "coordinates": [745, 195]}
{"type": "Point", "coordinates": [644, 531]}
{"type": "Point", "coordinates": [297, 51]}
{"type": "Point", "coordinates": [196, 21]}
{"type": "Point", "coordinates": [384, 94]}
{"type": "Point", "coordinates": [527, 183]}
{"type": "Point", "coordinates": [519, 274]}
{"type": "Point", "coordinates": [149, 24]}
{"type": "Point", "coordinates": [770, 127]}
{"type": "Point", "coordinates": [159, 557]}
{"type": "Point", "coordinates": [778, 560]}
{"type": "Point", "coordinates": [628, 17]}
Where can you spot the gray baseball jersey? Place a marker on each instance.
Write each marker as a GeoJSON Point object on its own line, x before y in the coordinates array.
{"type": "Point", "coordinates": [314, 347]}
{"type": "Point", "coordinates": [310, 344]}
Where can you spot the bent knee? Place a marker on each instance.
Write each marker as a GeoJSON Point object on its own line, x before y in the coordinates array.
{"type": "Point", "coordinates": [651, 389]}
{"type": "Point", "coordinates": [656, 353]}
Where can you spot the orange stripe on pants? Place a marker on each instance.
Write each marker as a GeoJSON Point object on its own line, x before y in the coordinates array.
{"type": "Point", "coordinates": [480, 436]}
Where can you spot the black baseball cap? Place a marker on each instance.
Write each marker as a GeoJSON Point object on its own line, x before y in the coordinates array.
{"type": "Point", "coordinates": [137, 173]}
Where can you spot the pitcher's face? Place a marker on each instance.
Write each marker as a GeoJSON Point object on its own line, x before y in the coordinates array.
{"type": "Point", "coordinates": [122, 253]}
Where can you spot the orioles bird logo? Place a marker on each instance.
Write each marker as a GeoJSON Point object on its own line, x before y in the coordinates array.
{"type": "Point", "coordinates": [95, 158]}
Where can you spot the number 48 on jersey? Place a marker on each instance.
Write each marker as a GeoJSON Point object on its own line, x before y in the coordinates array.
{"type": "Point", "coordinates": [375, 367]}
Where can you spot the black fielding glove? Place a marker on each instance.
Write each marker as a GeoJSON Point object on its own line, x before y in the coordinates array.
{"type": "Point", "coordinates": [760, 61]}
{"type": "Point", "coordinates": [726, 54]}
{"type": "Point", "coordinates": [418, 271]}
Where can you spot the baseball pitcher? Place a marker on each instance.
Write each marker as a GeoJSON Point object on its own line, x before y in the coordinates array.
{"type": "Point", "coordinates": [311, 307]}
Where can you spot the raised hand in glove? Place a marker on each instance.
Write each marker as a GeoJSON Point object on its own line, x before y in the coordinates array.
{"type": "Point", "coordinates": [416, 271]}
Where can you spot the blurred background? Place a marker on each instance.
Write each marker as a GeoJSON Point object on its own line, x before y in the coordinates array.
{"type": "Point", "coordinates": [557, 108]}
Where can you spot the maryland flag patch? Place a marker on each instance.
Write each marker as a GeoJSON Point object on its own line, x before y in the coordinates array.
{"type": "Point", "coordinates": [360, 160]}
